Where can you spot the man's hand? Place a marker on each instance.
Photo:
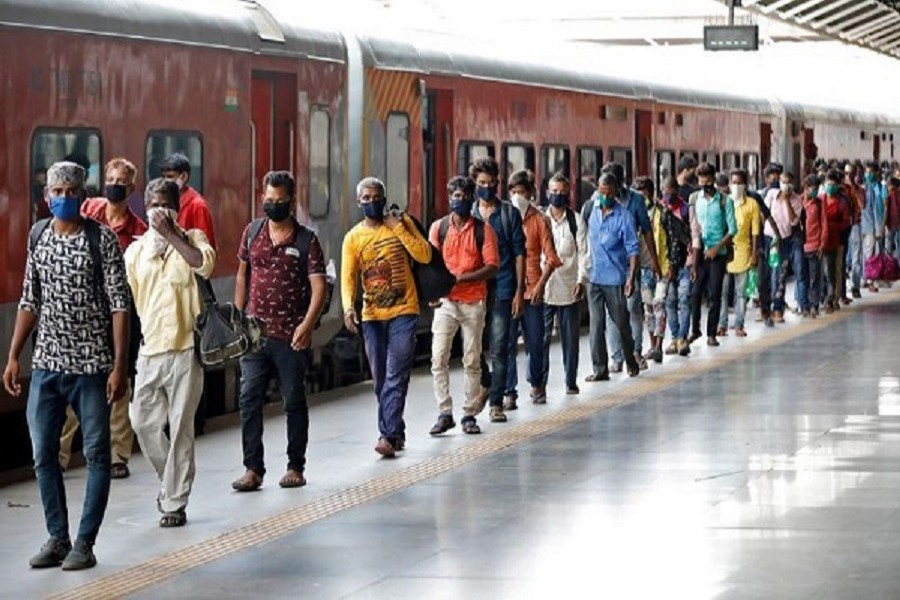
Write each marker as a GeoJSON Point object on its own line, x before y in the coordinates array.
{"type": "Point", "coordinates": [302, 337]}
{"type": "Point", "coordinates": [754, 260]}
{"type": "Point", "coordinates": [712, 253]}
{"type": "Point", "coordinates": [537, 296]}
{"type": "Point", "coordinates": [693, 273]}
{"type": "Point", "coordinates": [115, 385]}
{"type": "Point", "coordinates": [161, 222]}
{"type": "Point", "coordinates": [11, 378]}
{"type": "Point", "coordinates": [629, 288]}
{"type": "Point", "coordinates": [391, 221]}
{"type": "Point", "coordinates": [518, 303]}
{"type": "Point", "coordinates": [351, 320]}
{"type": "Point", "coordinates": [578, 291]}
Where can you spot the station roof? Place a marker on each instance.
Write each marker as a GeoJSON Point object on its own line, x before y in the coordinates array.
{"type": "Point", "coordinates": [873, 24]}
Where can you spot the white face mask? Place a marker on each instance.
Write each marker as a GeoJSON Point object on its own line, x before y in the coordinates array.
{"type": "Point", "coordinates": [520, 202]}
{"type": "Point", "coordinates": [737, 190]}
{"type": "Point", "coordinates": [158, 243]}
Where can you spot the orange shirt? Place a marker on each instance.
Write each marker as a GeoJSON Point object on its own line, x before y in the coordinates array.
{"type": "Point", "coordinates": [462, 255]}
{"type": "Point", "coordinates": [538, 241]}
{"type": "Point", "coordinates": [127, 231]}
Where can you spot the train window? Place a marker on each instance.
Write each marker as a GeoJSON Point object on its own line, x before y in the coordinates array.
{"type": "Point", "coordinates": [397, 159]}
{"type": "Point", "coordinates": [161, 144]}
{"type": "Point", "coordinates": [468, 152]}
{"type": "Point", "coordinates": [623, 157]}
{"type": "Point", "coordinates": [751, 164]}
{"type": "Point", "coordinates": [712, 158]}
{"type": "Point", "coordinates": [665, 166]}
{"type": "Point", "coordinates": [515, 158]}
{"type": "Point", "coordinates": [48, 146]}
{"type": "Point", "coordinates": [319, 163]}
{"type": "Point", "coordinates": [590, 160]}
{"type": "Point", "coordinates": [553, 159]}
{"type": "Point", "coordinates": [688, 154]}
{"type": "Point", "coordinates": [731, 160]}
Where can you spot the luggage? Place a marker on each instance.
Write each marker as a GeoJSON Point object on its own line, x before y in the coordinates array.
{"type": "Point", "coordinates": [223, 333]}
{"type": "Point", "coordinates": [882, 267]}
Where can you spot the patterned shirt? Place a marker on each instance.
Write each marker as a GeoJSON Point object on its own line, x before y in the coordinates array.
{"type": "Point", "coordinates": [279, 279]}
{"type": "Point", "coordinates": [73, 332]}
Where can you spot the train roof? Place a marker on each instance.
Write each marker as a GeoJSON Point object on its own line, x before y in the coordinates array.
{"type": "Point", "coordinates": [239, 25]}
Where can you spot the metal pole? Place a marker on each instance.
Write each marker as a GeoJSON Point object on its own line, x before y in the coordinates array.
{"type": "Point", "coordinates": [731, 12]}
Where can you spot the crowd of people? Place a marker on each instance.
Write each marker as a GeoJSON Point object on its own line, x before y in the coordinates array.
{"type": "Point", "coordinates": [114, 302]}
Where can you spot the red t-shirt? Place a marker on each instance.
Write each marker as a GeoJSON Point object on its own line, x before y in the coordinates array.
{"type": "Point", "coordinates": [194, 214]}
{"type": "Point", "coordinates": [893, 210]}
{"type": "Point", "coordinates": [127, 231]}
{"type": "Point", "coordinates": [279, 284]}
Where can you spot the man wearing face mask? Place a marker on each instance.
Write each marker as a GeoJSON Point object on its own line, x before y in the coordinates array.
{"type": "Point", "coordinates": [634, 203]}
{"type": "Point", "coordinates": [540, 262]}
{"type": "Point", "coordinates": [837, 212]}
{"type": "Point", "coordinates": [469, 249]}
{"type": "Point", "coordinates": [853, 258]}
{"type": "Point", "coordinates": [786, 206]}
{"type": "Point", "coordinates": [114, 212]}
{"type": "Point", "coordinates": [76, 293]}
{"type": "Point", "coordinates": [378, 251]}
{"type": "Point", "coordinates": [194, 212]}
{"type": "Point", "coordinates": [614, 262]}
{"type": "Point", "coordinates": [505, 292]}
{"type": "Point", "coordinates": [873, 215]}
{"type": "Point", "coordinates": [745, 240]}
{"type": "Point", "coordinates": [713, 226]}
{"type": "Point", "coordinates": [280, 281]}
{"type": "Point", "coordinates": [162, 271]}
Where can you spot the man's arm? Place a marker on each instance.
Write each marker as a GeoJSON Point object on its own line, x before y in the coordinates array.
{"type": "Point", "coordinates": [240, 286]}
{"type": "Point", "coordinates": [25, 322]}
{"type": "Point", "coordinates": [408, 234]}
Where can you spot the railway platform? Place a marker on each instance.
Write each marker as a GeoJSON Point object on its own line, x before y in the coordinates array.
{"type": "Point", "coordinates": [766, 468]}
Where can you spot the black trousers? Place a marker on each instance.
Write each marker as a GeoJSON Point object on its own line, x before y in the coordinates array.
{"type": "Point", "coordinates": [710, 275]}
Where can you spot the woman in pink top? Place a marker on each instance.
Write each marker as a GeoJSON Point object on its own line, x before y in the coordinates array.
{"type": "Point", "coordinates": [815, 226]}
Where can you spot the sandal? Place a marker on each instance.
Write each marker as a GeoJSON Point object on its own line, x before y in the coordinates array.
{"type": "Point", "coordinates": [173, 519]}
{"type": "Point", "coordinates": [471, 427]}
{"type": "Point", "coordinates": [292, 479]}
{"type": "Point", "coordinates": [249, 482]}
{"type": "Point", "coordinates": [119, 471]}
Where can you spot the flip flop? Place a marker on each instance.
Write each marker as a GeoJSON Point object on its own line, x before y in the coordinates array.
{"type": "Point", "coordinates": [292, 481]}
{"type": "Point", "coordinates": [247, 483]}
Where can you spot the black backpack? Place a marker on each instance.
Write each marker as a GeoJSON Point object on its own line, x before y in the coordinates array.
{"type": "Point", "coordinates": [433, 279]}
{"type": "Point", "coordinates": [302, 241]}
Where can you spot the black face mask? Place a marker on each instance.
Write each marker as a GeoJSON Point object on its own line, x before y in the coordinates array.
{"type": "Point", "coordinates": [277, 211]}
{"type": "Point", "coordinates": [709, 190]}
{"type": "Point", "coordinates": [115, 193]}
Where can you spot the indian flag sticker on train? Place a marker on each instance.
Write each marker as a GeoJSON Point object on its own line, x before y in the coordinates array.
{"type": "Point", "coordinates": [231, 100]}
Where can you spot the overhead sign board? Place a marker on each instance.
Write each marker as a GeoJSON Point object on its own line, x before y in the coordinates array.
{"type": "Point", "coordinates": [731, 37]}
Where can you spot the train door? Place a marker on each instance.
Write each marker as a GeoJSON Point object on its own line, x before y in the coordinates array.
{"type": "Point", "coordinates": [274, 122]}
{"type": "Point", "coordinates": [643, 126]}
{"type": "Point", "coordinates": [876, 147]}
{"type": "Point", "coordinates": [439, 166]}
{"type": "Point", "coordinates": [765, 143]}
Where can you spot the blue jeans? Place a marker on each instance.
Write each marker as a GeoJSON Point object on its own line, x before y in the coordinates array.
{"type": "Point", "coordinates": [495, 340]}
{"type": "Point", "coordinates": [511, 384]}
{"type": "Point", "coordinates": [608, 301]}
{"type": "Point", "coordinates": [814, 278]}
{"type": "Point", "coordinates": [48, 395]}
{"type": "Point", "coordinates": [288, 366]}
{"type": "Point", "coordinates": [739, 281]}
{"type": "Point", "coordinates": [569, 329]}
{"type": "Point", "coordinates": [678, 304]}
{"type": "Point", "coordinates": [792, 253]}
{"type": "Point", "coordinates": [635, 307]}
{"type": "Point", "coordinates": [854, 257]}
{"type": "Point", "coordinates": [391, 348]}
{"type": "Point", "coordinates": [892, 242]}
{"type": "Point", "coordinates": [532, 323]}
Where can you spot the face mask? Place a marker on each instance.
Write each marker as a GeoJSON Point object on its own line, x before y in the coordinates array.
{"type": "Point", "coordinates": [461, 206]}
{"type": "Point", "coordinates": [374, 209]}
{"type": "Point", "coordinates": [812, 193]}
{"type": "Point", "coordinates": [486, 192]}
{"type": "Point", "coordinates": [520, 202]}
{"type": "Point", "coordinates": [776, 184]}
{"type": "Point", "coordinates": [277, 211]}
{"type": "Point", "coordinates": [787, 188]}
{"type": "Point", "coordinates": [559, 200]}
{"type": "Point", "coordinates": [709, 190]}
{"type": "Point", "coordinates": [65, 208]}
{"type": "Point", "coordinates": [606, 201]}
{"type": "Point", "coordinates": [870, 178]}
{"type": "Point", "coordinates": [737, 190]}
{"type": "Point", "coordinates": [832, 189]}
{"type": "Point", "coordinates": [115, 193]}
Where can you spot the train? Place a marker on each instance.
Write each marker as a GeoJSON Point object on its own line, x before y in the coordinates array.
{"type": "Point", "coordinates": [242, 89]}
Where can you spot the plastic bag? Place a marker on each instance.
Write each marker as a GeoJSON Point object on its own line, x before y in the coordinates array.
{"type": "Point", "coordinates": [774, 256]}
{"type": "Point", "coordinates": [751, 287]}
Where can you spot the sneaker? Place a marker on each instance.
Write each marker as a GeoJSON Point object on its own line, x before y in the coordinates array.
{"type": "Point", "coordinates": [684, 348]}
{"type": "Point", "coordinates": [80, 557]}
{"type": "Point", "coordinates": [385, 448]}
{"type": "Point", "coordinates": [656, 355]}
{"type": "Point", "coordinates": [770, 322]}
{"type": "Point", "coordinates": [480, 400]}
{"type": "Point", "coordinates": [593, 377]}
{"type": "Point", "coordinates": [712, 342]}
{"type": "Point", "coordinates": [616, 367]}
{"type": "Point", "coordinates": [694, 337]}
{"type": "Point", "coordinates": [572, 390]}
{"type": "Point", "coordinates": [804, 314]}
{"type": "Point", "coordinates": [539, 398]}
{"type": "Point", "coordinates": [856, 293]}
{"type": "Point", "coordinates": [52, 554]}
{"type": "Point", "coordinates": [641, 362]}
{"type": "Point", "coordinates": [497, 414]}
{"type": "Point", "coordinates": [509, 403]}
{"type": "Point", "coordinates": [444, 423]}
{"type": "Point", "coordinates": [119, 470]}
{"type": "Point", "coordinates": [673, 347]}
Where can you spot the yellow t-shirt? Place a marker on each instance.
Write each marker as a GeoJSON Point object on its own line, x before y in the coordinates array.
{"type": "Point", "coordinates": [747, 215]}
{"type": "Point", "coordinates": [380, 256]}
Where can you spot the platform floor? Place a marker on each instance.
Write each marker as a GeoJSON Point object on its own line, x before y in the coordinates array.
{"type": "Point", "coordinates": [766, 468]}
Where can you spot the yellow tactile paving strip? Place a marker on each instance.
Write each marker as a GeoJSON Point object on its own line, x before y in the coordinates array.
{"type": "Point", "coordinates": [165, 567]}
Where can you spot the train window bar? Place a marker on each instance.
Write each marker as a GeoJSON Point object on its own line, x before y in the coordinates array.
{"type": "Point", "coordinates": [81, 145]}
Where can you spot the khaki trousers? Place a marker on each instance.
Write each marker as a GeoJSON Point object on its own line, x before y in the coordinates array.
{"type": "Point", "coordinates": [448, 318]}
{"type": "Point", "coordinates": [121, 435]}
{"type": "Point", "coordinates": [167, 389]}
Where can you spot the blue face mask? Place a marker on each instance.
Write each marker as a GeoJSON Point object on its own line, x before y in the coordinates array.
{"type": "Point", "coordinates": [65, 208]}
{"type": "Point", "coordinates": [461, 206]}
{"type": "Point", "coordinates": [870, 178]}
{"type": "Point", "coordinates": [559, 200]}
{"type": "Point", "coordinates": [374, 209]}
{"type": "Point", "coordinates": [486, 192]}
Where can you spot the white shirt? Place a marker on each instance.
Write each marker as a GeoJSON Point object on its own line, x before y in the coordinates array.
{"type": "Point", "coordinates": [574, 254]}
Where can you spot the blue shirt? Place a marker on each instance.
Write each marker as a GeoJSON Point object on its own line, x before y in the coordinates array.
{"type": "Point", "coordinates": [613, 241]}
{"type": "Point", "coordinates": [510, 244]}
{"type": "Point", "coordinates": [637, 206]}
{"type": "Point", "coordinates": [873, 213]}
{"type": "Point", "coordinates": [708, 212]}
